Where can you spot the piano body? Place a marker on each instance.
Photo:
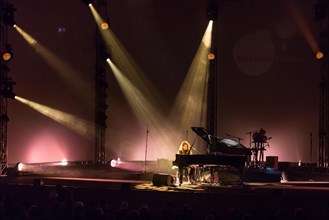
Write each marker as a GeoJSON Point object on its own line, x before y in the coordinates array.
{"type": "Point", "coordinates": [210, 160]}
{"type": "Point", "coordinates": [221, 152]}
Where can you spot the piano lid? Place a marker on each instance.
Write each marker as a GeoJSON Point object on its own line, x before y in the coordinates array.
{"type": "Point", "coordinates": [224, 146]}
{"type": "Point", "coordinates": [204, 134]}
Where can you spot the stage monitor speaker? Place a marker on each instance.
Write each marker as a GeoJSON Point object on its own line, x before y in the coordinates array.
{"type": "Point", "coordinates": [162, 180]}
{"type": "Point", "coordinates": [273, 162]}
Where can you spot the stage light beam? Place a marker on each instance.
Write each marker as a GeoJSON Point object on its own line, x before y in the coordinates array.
{"type": "Point", "coordinates": [75, 123]}
{"type": "Point", "coordinates": [65, 71]}
{"type": "Point", "coordinates": [125, 62]}
{"type": "Point", "coordinates": [302, 25]}
{"type": "Point", "coordinates": [191, 103]}
{"type": "Point", "coordinates": [142, 96]}
{"type": "Point", "coordinates": [146, 112]}
{"type": "Point", "coordinates": [101, 23]}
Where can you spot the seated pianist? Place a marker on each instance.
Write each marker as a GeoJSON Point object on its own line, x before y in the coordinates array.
{"type": "Point", "coordinates": [184, 149]}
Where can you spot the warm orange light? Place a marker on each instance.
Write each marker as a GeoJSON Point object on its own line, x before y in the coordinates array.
{"type": "Point", "coordinates": [6, 56]}
{"type": "Point", "coordinates": [211, 56]}
{"type": "Point", "coordinates": [104, 25]}
{"type": "Point", "coordinates": [319, 55]}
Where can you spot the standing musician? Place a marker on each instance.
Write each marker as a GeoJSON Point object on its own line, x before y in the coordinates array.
{"type": "Point", "coordinates": [184, 149]}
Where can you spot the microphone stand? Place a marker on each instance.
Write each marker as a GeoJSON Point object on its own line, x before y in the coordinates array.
{"type": "Point", "coordinates": [147, 134]}
{"type": "Point", "coordinates": [311, 146]}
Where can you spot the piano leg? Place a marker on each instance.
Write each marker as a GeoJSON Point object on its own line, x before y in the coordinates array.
{"type": "Point", "coordinates": [197, 174]}
{"type": "Point", "coordinates": [214, 173]}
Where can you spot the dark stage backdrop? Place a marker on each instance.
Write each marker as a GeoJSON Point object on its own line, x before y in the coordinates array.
{"type": "Point", "coordinates": [267, 75]}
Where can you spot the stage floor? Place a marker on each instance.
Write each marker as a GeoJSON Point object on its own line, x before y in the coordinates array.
{"type": "Point", "coordinates": [145, 181]}
{"type": "Point", "coordinates": [261, 199]}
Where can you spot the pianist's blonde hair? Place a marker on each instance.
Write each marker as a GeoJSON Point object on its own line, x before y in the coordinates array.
{"type": "Point", "coordinates": [188, 147]}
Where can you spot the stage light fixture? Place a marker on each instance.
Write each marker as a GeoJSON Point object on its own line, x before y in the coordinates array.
{"type": "Point", "coordinates": [104, 25]}
{"type": "Point", "coordinates": [115, 163]}
{"type": "Point", "coordinates": [19, 167]}
{"type": "Point", "coordinates": [211, 56]}
{"type": "Point", "coordinates": [8, 54]}
{"type": "Point", "coordinates": [64, 162]}
{"type": "Point", "coordinates": [319, 55]}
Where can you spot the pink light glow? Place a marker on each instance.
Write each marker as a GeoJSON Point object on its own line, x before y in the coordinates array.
{"type": "Point", "coordinates": [45, 147]}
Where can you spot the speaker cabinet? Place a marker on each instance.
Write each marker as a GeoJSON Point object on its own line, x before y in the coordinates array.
{"type": "Point", "coordinates": [162, 180]}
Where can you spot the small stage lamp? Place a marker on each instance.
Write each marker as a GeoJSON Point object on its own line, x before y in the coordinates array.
{"type": "Point", "coordinates": [319, 55]}
{"type": "Point", "coordinates": [104, 25]}
{"type": "Point", "coordinates": [64, 162]}
{"type": "Point", "coordinates": [8, 54]}
{"type": "Point", "coordinates": [19, 167]}
{"type": "Point", "coordinates": [211, 56]}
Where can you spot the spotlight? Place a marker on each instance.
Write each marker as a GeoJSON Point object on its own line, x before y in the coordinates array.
{"type": "Point", "coordinates": [8, 16]}
{"type": "Point", "coordinates": [115, 163]}
{"type": "Point", "coordinates": [211, 56]}
{"type": "Point", "coordinates": [87, 2]}
{"type": "Point", "coordinates": [19, 167]}
{"type": "Point", "coordinates": [64, 162]}
{"type": "Point", "coordinates": [319, 55]}
{"type": "Point", "coordinates": [8, 54]}
{"type": "Point", "coordinates": [104, 25]}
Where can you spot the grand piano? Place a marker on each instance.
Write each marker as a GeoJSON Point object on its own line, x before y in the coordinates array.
{"type": "Point", "coordinates": [221, 152]}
